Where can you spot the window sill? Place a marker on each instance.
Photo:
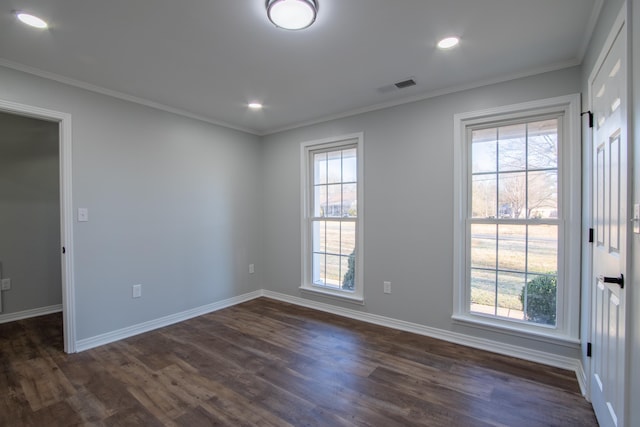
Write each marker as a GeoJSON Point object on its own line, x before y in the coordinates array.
{"type": "Point", "coordinates": [523, 331]}
{"type": "Point", "coordinates": [351, 298]}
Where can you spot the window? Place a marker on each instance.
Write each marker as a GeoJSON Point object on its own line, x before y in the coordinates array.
{"type": "Point", "coordinates": [517, 238]}
{"type": "Point", "coordinates": [332, 214]}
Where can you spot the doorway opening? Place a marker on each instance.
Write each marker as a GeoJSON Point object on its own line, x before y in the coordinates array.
{"type": "Point", "coordinates": [37, 212]}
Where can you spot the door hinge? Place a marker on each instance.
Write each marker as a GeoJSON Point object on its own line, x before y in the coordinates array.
{"type": "Point", "coordinates": [590, 117]}
{"type": "Point", "coordinates": [64, 251]}
{"type": "Point", "coordinates": [588, 349]}
{"type": "Point", "coordinates": [591, 235]}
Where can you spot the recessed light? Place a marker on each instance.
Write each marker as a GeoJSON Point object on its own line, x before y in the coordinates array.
{"type": "Point", "coordinates": [255, 105]}
{"type": "Point", "coordinates": [448, 42]}
{"type": "Point", "coordinates": [31, 20]}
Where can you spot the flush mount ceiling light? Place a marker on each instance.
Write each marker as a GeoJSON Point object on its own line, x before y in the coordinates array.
{"type": "Point", "coordinates": [448, 42]}
{"type": "Point", "coordinates": [31, 20]}
{"type": "Point", "coordinates": [292, 14]}
{"type": "Point", "coordinates": [255, 105]}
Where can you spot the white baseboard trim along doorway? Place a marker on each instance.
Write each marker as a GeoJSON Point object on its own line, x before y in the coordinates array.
{"type": "Point", "coordinates": [35, 312]}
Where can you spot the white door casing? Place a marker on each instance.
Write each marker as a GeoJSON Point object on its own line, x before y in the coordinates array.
{"type": "Point", "coordinates": [608, 96]}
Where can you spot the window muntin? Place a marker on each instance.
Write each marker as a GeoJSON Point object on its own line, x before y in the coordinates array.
{"type": "Point", "coordinates": [513, 220]}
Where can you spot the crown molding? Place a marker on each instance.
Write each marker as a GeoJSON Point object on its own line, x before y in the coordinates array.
{"type": "Point", "coordinates": [119, 95]}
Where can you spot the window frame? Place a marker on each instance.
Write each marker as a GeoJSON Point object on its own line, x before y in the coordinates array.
{"type": "Point", "coordinates": [567, 109]}
{"type": "Point", "coordinates": [354, 140]}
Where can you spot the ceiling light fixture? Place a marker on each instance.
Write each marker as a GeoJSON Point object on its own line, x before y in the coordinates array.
{"type": "Point", "coordinates": [448, 42]}
{"type": "Point", "coordinates": [255, 105]}
{"type": "Point", "coordinates": [292, 14]}
{"type": "Point", "coordinates": [31, 20]}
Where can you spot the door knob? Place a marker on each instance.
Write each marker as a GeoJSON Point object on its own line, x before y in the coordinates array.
{"type": "Point", "coordinates": [618, 280]}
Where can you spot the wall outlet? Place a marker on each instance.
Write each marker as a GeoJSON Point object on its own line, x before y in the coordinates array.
{"type": "Point", "coordinates": [252, 269]}
{"type": "Point", "coordinates": [6, 284]}
{"type": "Point", "coordinates": [137, 291]}
{"type": "Point", "coordinates": [387, 287]}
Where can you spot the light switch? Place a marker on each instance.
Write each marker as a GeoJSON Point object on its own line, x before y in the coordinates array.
{"type": "Point", "coordinates": [83, 214]}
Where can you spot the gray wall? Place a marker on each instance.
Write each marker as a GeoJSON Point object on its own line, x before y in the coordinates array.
{"type": "Point", "coordinates": [29, 213]}
{"type": "Point", "coordinates": [173, 205]}
{"type": "Point", "coordinates": [408, 202]}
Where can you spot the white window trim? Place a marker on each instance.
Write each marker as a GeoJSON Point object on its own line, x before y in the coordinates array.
{"type": "Point", "coordinates": [568, 299]}
{"type": "Point", "coordinates": [357, 296]}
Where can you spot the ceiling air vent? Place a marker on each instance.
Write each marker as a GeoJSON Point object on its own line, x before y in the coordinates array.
{"type": "Point", "coordinates": [405, 83]}
{"type": "Point", "coordinates": [408, 82]}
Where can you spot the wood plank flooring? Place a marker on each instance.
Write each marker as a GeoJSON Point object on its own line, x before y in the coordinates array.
{"type": "Point", "coordinates": [267, 363]}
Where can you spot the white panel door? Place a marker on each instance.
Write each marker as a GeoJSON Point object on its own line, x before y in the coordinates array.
{"type": "Point", "coordinates": [608, 102]}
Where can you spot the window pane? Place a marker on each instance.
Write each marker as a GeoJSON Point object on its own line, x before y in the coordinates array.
{"type": "Point", "coordinates": [483, 156]}
{"type": "Point", "coordinates": [510, 287]}
{"type": "Point", "coordinates": [334, 201]}
{"type": "Point", "coordinates": [483, 291]}
{"type": "Point", "coordinates": [334, 173]}
{"type": "Point", "coordinates": [540, 300]}
{"type": "Point", "coordinates": [320, 201]}
{"type": "Point", "coordinates": [318, 269]}
{"type": "Point", "coordinates": [319, 236]}
{"type": "Point", "coordinates": [512, 198]}
{"type": "Point", "coordinates": [483, 246]}
{"type": "Point", "coordinates": [350, 200]}
{"type": "Point", "coordinates": [484, 195]}
{"type": "Point", "coordinates": [512, 146]}
{"type": "Point", "coordinates": [320, 168]}
{"type": "Point", "coordinates": [512, 247]}
{"type": "Point", "coordinates": [543, 144]}
{"type": "Point", "coordinates": [333, 237]}
{"type": "Point", "coordinates": [332, 278]}
{"type": "Point", "coordinates": [349, 166]}
{"type": "Point", "coordinates": [543, 249]}
{"type": "Point", "coordinates": [348, 238]}
{"type": "Point", "coordinates": [543, 194]}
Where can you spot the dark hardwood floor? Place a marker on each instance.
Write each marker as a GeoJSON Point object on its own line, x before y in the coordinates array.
{"type": "Point", "coordinates": [267, 363]}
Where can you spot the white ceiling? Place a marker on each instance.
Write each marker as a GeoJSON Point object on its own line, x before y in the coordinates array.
{"type": "Point", "coordinates": [210, 58]}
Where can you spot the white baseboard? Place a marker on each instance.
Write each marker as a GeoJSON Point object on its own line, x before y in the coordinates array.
{"type": "Point", "coordinates": [120, 334]}
{"type": "Point", "coordinates": [581, 374]}
{"type": "Point", "coordinates": [453, 337]}
{"type": "Point", "coordinates": [35, 312]}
